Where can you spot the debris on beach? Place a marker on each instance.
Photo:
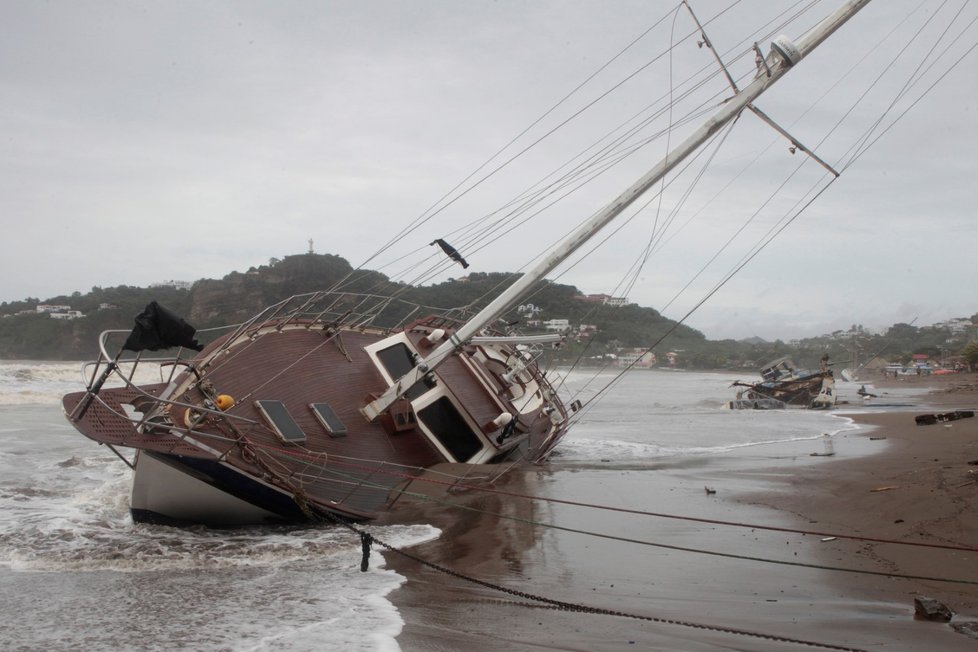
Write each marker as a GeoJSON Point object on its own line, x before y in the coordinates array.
{"type": "Point", "coordinates": [972, 476]}
{"type": "Point", "coordinates": [931, 609]}
{"type": "Point", "coordinates": [931, 419]}
{"type": "Point", "coordinates": [866, 395]}
{"type": "Point", "coordinates": [961, 387]}
{"type": "Point", "coordinates": [887, 488]}
{"type": "Point", "coordinates": [829, 448]}
{"type": "Point", "coordinates": [969, 628]}
{"type": "Point", "coordinates": [709, 491]}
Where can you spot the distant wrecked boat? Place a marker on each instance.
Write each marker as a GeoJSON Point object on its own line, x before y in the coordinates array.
{"type": "Point", "coordinates": [784, 385]}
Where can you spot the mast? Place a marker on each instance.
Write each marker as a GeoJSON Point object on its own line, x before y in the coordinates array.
{"type": "Point", "coordinates": [783, 56]}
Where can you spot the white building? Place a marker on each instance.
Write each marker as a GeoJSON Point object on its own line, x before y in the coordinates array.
{"type": "Point", "coordinates": [50, 307]}
{"type": "Point", "coordinates": [956, 326]}
{"type": "Point", "coordinates": [179, 285]}
{"type": "Point", "coordinates": [558, 325]}
{"type": "Point", "coordinates": [67, 314]}
{"type": "Point", "coordinates": [604, 299]}
{"type": "Point", "coordinates": [638, 358]}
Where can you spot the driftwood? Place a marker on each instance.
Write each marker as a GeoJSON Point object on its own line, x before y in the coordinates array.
{"type": "Point", "coordinates": [931, 419]}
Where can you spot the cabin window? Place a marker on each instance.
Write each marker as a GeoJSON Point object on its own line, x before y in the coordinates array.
{"type": "Point", "coordinates": [281, 421]}
{"type": "Point", "coordinates": [449, 427]}
{"type": "Point", "coordinates": [398, 359]}
{"type": "Point", "coordinates": [329, 419]}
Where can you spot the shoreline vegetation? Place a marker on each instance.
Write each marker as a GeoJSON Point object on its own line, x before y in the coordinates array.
{"type": "Point", "coordinates": [890, 480]}
{"type": "Point", "coordinates": [596, 330]}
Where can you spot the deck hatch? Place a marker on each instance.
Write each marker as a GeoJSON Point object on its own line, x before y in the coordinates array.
{"type": "Point", "coordinates": [329, 419]}
{"type": "Point", "coordinates": [281, 421]}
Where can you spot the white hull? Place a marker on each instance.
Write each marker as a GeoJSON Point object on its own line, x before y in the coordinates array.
{"type": "Point", "coordinates": [161, 492]}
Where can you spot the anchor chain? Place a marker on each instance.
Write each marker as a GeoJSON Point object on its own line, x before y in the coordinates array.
{"type": "Point", "coordinates": [560, 605]}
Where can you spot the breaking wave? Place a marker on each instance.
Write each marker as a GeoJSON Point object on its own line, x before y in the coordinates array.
{"type": "Point", "coordinates": [79, 521]}
{"type": "Point", "coordinates": [44, 383]}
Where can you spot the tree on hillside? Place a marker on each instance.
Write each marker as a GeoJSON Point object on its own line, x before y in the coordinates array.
{"type": "Point", "coordinates": [970, 354]}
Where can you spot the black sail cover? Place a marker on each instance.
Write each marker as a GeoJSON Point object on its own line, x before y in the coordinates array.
{"type": "Point", "coordinates": [157, 328]}
{"type": "Point", "coordinates": [451, 251]}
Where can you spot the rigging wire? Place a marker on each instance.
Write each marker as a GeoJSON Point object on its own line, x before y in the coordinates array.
{"type": "Point", "coordinates": [668, 144]}
{"type": "Point", "coordinates": [778, 228]}
{"type": "Point", "coordinates": [668, 96]}
{"type": "Point", "coordinates": [774, 141]}
{"type": "Point", "coordinates": [427, 497]}
{"type": "Point", "coordinates": [607, 163]}
{"type": "Point", "coordinates": [529, 197]}
{"type": "Point", "coordinates": [442, 265]}
{"type": "Point", "coordinates": [744, 53]}
{"type": "Point", "coordinates": [866, 91]}
{"type": "Point", "coordinates": [357, 465]}
{"type": "Point", "coordinates": [961, 56]}
{"type": "Point", "coordinates": [435, 208]}
{"type": "Point", "coordinates": [706, 297]}
{"type": "Point", "coordinates": [721, 140]}
{"type": "Point", "coordinates": [646, 205]}
{"type": "Point", "coordinates": [865, 147]}
{"type": "Point", "coordinates": [551, 191]}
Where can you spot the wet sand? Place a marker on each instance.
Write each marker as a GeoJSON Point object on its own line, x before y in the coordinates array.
{"type": "Point", "coordinates": [888, 479]}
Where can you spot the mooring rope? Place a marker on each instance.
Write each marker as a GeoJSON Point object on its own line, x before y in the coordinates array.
{"type": "Point", "coordinates": [561, 605]}
{"type": "Point", "coordinates": [624, 510]}
{"type": "Point", "coordinates": [306, 506]}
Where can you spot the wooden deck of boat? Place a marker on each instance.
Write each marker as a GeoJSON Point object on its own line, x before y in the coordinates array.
{"type": "Point", "coordinates": [351, 472]}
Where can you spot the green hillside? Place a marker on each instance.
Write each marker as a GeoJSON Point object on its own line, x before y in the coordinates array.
{"type": "Point", "coordinates": [28, 334]}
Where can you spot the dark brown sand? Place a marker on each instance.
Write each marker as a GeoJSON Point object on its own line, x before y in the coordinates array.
{"type": "Point", "coordinates": [889, 479]}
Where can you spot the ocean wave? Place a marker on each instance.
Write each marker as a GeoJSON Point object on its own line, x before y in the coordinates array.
{"type": "Point", "coordinates": [77, 519]}
{"type": "Point", "coordinates": [44, 383]}
{"type": "Point", "coordinates": [584, 449]}
{"type": "Point", "coordinates": [57, 546]}
{"type": "Point", "coordinates": [101, 545]}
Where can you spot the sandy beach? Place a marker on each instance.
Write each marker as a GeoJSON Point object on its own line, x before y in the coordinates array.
{"type": "Point", "coordinates": [688, 584]}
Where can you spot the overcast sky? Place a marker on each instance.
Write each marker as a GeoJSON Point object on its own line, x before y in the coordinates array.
{"type": "Point", "coordinates": [146, 141]}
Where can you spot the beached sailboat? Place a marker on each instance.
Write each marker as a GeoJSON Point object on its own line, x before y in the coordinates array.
{"type": "Point", "coordinates": [330, 403]}
{"type": "Point", "coordinates": [785, 385]}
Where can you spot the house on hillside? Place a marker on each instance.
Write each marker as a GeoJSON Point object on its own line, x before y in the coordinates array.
{"type": "Point", "coordinates": [604, 299]}
{"type": "Point", "coordinates": [176, 285]}
{"type": "Point", "coordinates": [635, 358]}
{"type": "Point", "coordinates": [66, 314]}
{"type": "Point", "coordinates": [50, 307]}
{"type": "Point", "coordinates": [557, 325]}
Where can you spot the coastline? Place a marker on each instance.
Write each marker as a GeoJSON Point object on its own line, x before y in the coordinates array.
{"type": "Point", "coordinates": [931, 498]}
{"type": "Point", "coordinates": [922, 485]}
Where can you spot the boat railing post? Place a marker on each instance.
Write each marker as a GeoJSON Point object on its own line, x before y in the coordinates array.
{"type": "Point", "coordinates": [83, 406]}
